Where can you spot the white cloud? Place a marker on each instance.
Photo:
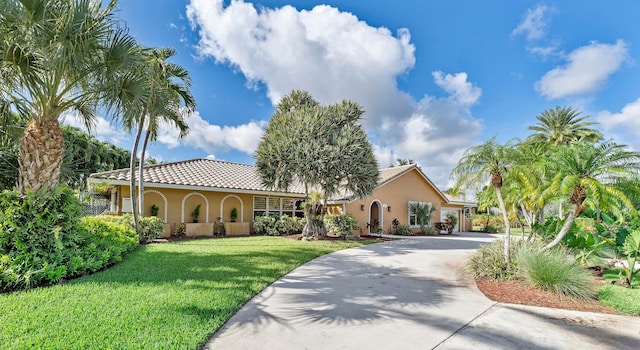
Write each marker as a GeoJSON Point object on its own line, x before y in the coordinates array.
{"type": "Point", "coordinates": [214, 138]}
{"type": "Point", "coordinates": [546, 52]}
{"type": "Point", "coordinates": [625, 124]}
{"type": "Point", "coordinates": [457, 85]}
{"type": "Point", "coordinates": [335, 56]}
{"type": "Point", "coordinates": [588, 67]}
{"type": "Point", "coordinates": [534, 24]}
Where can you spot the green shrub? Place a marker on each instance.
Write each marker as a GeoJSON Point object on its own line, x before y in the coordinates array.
{"type": "Point", "coordinates": [404, 230]}
{"type": "Point", "coordinates": [43, 240]}
{"type": "Point", "coordinates": [341, 225]}
{"type": "Point", "coordinates": [488, 261]}
{"type": "Point", "coordinates": [151, 227]}
{"type": "Point", "coordinates": [265, 225]}
{"type": "Point", "coordinates": [554, 271]}
{"type": "Point", "coordinates": [277, 226]}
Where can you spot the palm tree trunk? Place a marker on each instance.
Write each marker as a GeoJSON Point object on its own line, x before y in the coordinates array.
{"type": "Point", "coordinates": [140, 174]}
{"type": "Point", "coordinates": [573, 213]}
{"type": "Point", "coordinates": [507, 227]}
{"type": "Point", "coordinates": [40, 156]}
{"type": "Point", "coordinates": [132, 172]}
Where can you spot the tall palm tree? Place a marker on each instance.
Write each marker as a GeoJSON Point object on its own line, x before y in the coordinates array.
{"type": "Point", "coordinates": [56, 57]}
{"type": "Point", "coordinates": [487, 162]}
{"type": "Point", "coordinates": [170, 100]}
{"type": "Point", "coordinates": [562, 125]}
{"type": "Point", "coordinates": [590, 175]}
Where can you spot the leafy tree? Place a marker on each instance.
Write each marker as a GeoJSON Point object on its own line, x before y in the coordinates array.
{"type": "Point", "coordinates": [487, 162]}
{"type": "Point", "coordinates": [323, 148]}
{"type": "Point", "coordinates": [588, 175]}
{"type": "Point", "coordinates": [563, 125]}
{"type": "Point", "coordinates": [57, 57]}
{"type": "Point", "coordinates": [423, 213]}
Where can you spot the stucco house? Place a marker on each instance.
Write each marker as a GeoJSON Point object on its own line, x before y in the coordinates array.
{"type": "Point", "coordinates": [218, 187]}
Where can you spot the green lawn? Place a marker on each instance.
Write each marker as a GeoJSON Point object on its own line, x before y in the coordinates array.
{"type": "Point", "coordinates": [516, 231]}
{"type": "Point", "coordinates": [624, 299]}
{"type": "Point", "coordinates": [169, 296]}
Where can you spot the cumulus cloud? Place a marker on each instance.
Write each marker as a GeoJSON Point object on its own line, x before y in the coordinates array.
{"type": "Point", "coordinates": [214, 138]}
{"type": "Point", "coordinates": [335, 56]}
{"type": "Point", "coordinates": [624, 124]}
{"type": "Point", "coordinates": [587, 68]}
{"type": "Point", "coordinates": [534, 23]}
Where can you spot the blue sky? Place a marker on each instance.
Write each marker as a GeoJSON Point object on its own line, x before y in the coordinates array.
{"type": "Point", "coordinates": [435, 77]}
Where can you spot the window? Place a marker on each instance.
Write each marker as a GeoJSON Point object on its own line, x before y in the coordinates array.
{"type": "Point", "coordinates": [413, 219]}
{"type": "Point", "coordinates": [277, 206]}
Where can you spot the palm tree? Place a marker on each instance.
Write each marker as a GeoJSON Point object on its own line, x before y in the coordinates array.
{"type": "Point", "coordinates": [487, 162]}
{"type": "Point", "coordinates": [589, 175]}
{"type": "Point", "coordinates": [170, 84]}
{"type": "Point", "coordinates": [563, 125]}
{"type": "Point", "coordinates": [57, 57]}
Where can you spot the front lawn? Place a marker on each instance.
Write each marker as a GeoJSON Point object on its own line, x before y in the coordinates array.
{"type": "Point", "coordinates": [169, 296]}
{"type": "Point", "coordinates": [623, 299]}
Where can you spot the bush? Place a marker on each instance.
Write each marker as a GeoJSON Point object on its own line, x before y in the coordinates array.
{"type": "Point", "coordinates": [431, 231]}
{"type": "Point", "coordinates": [341, 225]}
{"type": "Point", "coordinates": [488, 261]}
{"type": "Point", "coordinates": [151, 227]}
{"type": "Point", "coordinates": [404, 230]}
{"type": "Point", "coordinates": [43, 239]}
{"type": "Point", "coordinates": [554, 271]}
{"type": "Point", "coordinates": [278, 226]}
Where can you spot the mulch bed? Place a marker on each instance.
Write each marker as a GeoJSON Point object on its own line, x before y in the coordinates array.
{"type": "Point", "coordinates": [519, 292]}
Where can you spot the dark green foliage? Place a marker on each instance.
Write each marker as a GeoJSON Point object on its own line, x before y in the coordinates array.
{"type": "Point", "coordinates": [151, 227]}
{"type": "Point", "coordinates": [554, 271]}
{"type": "Point", "coordinates": [404, 230]}
{"type": "Point", "coordinates": [43, 239]}
{"type": "Point", "coordinates": [277, 226]}
{"type": "Point", "coordinates": [341, 225]}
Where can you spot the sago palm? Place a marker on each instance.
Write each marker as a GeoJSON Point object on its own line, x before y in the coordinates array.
{"type": "Point", "coordinates": [590, 175]}
{"type": "Point", "coordinates": [56, 57]}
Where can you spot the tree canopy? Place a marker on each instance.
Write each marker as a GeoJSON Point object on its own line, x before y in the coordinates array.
{"type": "Point", "coordinates": [323, 148]}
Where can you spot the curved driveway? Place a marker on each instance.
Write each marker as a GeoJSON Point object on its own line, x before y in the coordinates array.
{"type": "Point", "coordinates": [407, 294]}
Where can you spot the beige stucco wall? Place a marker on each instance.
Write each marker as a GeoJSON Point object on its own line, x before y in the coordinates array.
{"type": "Point", "coordinates": [397, 194]}
{"type": "Point", "coordinates": [180, 203]}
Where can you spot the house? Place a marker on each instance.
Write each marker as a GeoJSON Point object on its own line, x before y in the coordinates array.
{"type": "Point", "coordinates": [177, 188]}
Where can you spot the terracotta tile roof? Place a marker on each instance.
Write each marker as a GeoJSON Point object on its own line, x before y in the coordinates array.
{"type": "Point", "coordinates": [198, 172]}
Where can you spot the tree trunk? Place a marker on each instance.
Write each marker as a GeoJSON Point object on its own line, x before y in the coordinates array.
{"type": "Point", "coordinates": [507, 227]}
{"type": "Point", "coordinates": [573, 213]}
{"type": "Point", "coordinates": [313, 229]}
{"type": "Point", "coordinates": [40, 156]}
{"type": "Point", "coordinates": [141, 173]}
{"type": "Point", "coordinates": [132, 180]}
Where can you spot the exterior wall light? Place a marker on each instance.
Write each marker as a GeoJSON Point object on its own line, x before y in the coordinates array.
{"type": "Point", "coordinates": [362, 207]}
{"type": "Point", "coordinates": [389, 208]}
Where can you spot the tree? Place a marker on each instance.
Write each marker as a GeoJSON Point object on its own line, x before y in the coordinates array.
{"type": "Point", "coordinates": [169, 92]}
{"type": "Point", "coordinates": [563, 125]}
{"type": "Point", "coordinates": [57, 57]}
{"type": "Point", "coordinates": [487, 162]}
{"type": "Point", "coordinates": [589, 175]}
{"type": "Point", "coordinates": [323, 148]}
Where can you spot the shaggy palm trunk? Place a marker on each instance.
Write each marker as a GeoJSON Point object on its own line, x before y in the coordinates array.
{"type": "Point", "coordinates": [40, 156]}
{"type": "Point", "coordinates": [507, 228]}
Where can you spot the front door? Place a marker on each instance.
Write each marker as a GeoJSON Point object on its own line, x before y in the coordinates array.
{"type": "Point", "coordinates": [374, 217]}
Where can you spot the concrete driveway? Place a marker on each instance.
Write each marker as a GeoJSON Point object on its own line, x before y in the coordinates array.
{"type": "Point", "coordinates": [408, 294]}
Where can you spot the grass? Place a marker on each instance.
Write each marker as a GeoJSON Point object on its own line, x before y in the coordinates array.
{"type": "Point", "coordinates": [621, 298]}
{"type": "Point", "coordinates": [170, 296]}
{"type": "Point", "coordinates": [552, 271]}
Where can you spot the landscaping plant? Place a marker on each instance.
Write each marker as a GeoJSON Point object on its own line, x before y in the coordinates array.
{"type": "Point", "coordinates": [341, 225]}
{"type": "Point", "coordinates": [632, 249]}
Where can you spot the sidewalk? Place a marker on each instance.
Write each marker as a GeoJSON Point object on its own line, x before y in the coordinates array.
{"type": "Point", "coordinates": [411, 294]}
